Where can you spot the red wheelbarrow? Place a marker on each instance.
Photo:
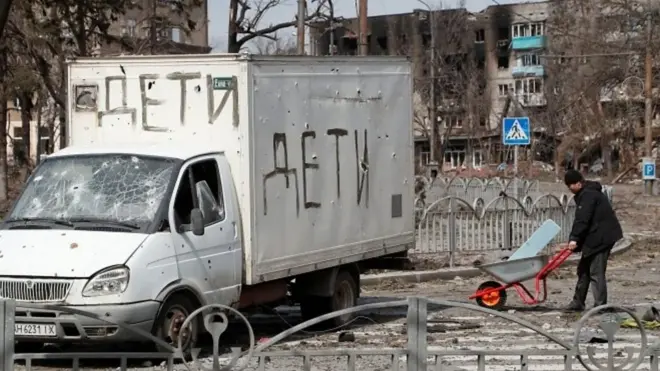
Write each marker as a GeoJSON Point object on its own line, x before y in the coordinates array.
{"type": "Point", "coordinates": [511, 273]}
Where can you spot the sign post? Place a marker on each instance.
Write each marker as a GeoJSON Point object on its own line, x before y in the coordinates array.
{"type": "Point", "coordinates": [516, 131]}
{"type": "Point", "coordinates": [648, 170]}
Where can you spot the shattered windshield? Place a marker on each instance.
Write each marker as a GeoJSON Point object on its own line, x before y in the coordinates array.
{"type": "Point", "coordinates": [122, 188]}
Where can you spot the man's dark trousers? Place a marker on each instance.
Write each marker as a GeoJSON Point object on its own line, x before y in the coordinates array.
{"type": "Point", "coordinates": [591, 270]}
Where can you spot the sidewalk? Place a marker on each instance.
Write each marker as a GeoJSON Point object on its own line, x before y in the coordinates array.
{"type": "Point", "coordinates": [463, 272]}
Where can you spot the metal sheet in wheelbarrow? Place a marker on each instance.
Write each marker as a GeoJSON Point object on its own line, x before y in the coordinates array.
{"type": "Point", "coordinates": [518, 270]}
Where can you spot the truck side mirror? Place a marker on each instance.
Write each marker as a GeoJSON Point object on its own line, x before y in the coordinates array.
{"type": "Point", "coordinates": [197, 222]}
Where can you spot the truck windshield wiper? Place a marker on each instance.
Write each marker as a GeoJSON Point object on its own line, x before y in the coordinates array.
{"type": "Point", "coordinates": [104, 221]}
{"type": "Point", "coordinates": [40, 220]}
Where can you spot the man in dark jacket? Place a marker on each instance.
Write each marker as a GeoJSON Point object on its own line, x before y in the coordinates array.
{"type": "Point", "coordinates": [595, 231]}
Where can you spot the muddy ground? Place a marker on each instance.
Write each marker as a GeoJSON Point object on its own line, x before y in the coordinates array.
{"type": "Point", "coordinates": [633, 281]}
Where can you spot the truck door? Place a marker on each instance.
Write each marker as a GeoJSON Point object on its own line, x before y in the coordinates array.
{"type": "Point", "coordinates": [211, 260]}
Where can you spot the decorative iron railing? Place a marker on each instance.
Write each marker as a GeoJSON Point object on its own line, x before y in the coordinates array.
{"type": "Point", "coordinates": [416, 355]}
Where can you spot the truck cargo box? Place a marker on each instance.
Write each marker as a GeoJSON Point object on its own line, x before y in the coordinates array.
{"type": "Point", "coordinates": [320, 149]}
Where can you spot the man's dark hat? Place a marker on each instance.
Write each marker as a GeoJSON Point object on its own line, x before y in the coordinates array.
{"type": "Point", "coordinates": [572, 177]}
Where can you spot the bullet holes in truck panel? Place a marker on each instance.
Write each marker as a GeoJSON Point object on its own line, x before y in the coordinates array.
{"type": "Point", "coordinates": [201, 187]}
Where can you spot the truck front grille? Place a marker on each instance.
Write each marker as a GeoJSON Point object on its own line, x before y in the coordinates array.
{"type": "Point", "coordinates": [34, 290]}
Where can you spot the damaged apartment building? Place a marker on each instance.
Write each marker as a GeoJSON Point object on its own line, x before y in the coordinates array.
{"type": "Point", "coordinates": [487, 66]}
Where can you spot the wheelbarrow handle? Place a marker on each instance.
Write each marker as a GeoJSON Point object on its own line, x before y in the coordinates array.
{"type": "Point", "coordinates": [557, 260]}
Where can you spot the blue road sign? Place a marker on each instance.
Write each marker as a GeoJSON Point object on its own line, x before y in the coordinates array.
{"type": "Point", "coordinates": [648, 169]}
{"type": "Point", "coordinates": [516, 131]}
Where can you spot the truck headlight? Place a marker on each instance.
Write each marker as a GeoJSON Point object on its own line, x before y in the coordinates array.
{"type": "Point", "coordinates": [107, 282]}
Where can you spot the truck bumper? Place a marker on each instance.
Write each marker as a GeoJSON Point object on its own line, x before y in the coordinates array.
{"type": "Point", "coordinates": [74, 328]}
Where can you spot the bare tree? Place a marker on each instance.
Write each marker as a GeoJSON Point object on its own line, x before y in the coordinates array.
{"type": "Point", "coordinates": [588, 105]}
{"type": "Point", "coordinates": [246, 18]}
{"type": "Point", "coordinates": [275, 45]}
{"type": "Point", "coordinates": [460, 79]}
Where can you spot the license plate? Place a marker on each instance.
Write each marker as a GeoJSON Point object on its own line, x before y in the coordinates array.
{"type": "Point", "coordinates": [34, 329]}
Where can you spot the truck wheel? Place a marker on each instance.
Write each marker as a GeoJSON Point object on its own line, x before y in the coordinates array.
{"type": "Point", "coordinates": [168, 324]}
{"type": "Point", "coordinates": [344, 296]}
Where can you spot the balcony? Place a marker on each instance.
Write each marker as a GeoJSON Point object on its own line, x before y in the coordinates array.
{"type": "Point", "coordinates": [532, 99]}
{"type": "Point", "coordinates": [528, 71]}
{"type": "Point", "coordinates": [528, 42]}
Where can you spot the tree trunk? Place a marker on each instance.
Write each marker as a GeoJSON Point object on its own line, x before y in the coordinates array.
{"type": "Point", "coordinates": [232, 35]}
{"type": "Point", "coordinates": [4, 15]}
{"type": "Point", "coordinates": [4, 189]}
{"type": "Point", "coordinates": [25, 100]}
{"type": "Point", "coordinates": [40, 130]}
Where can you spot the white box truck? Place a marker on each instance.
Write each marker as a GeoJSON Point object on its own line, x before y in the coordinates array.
{"type": "Point", "coordinates": [231, 179]}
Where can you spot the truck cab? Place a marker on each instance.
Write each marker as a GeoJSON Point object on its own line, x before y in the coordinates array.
{"type": "Point", "coordinates": [118, 231]}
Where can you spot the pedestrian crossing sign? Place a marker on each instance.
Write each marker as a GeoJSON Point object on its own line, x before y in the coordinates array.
{"type": "Point", "coordinates": [516, 131]}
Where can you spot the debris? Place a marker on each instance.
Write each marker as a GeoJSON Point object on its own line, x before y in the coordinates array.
{"type": "Point", "coordinates": [546, 326]}
{"type": "Point", "coordinates": [597, 340]}
{"type": "Point", "coordinates": [346, 337]}
{"type": "Point", "coordinates": [652, 314]}
{"type": "Point", "coordinates": [512, 311]}
{"type": "Point", "coordinates": [649, 325]}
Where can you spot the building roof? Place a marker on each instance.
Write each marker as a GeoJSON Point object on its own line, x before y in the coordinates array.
{"type": "Point", "coordinates": [181, 151]}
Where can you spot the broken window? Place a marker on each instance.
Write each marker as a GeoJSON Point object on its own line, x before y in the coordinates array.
{"type": "Point", "coordinates": [503, 34]}
{"type": "Point", "coordinates": [503, 62]}
{"type": "Point", "coordinates": [122, 188]}
{"type": "Point", "coordinates": [202, 171]}
{"type": "Point", "coordinates": [480, 36]}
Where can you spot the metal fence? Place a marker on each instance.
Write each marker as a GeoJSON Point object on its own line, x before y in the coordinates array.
{"type": "Point", "coordinates": [478, 216]}
{"type": "Point", "coordinates": [413, 355]}
{"type": "Point", "coordinates": [453, 225]}
{"type": "Point", "coordinates": [485, 189]}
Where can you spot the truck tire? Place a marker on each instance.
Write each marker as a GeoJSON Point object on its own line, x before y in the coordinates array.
{"type": "Point", "coordinates": [345, 296]}
{"type": "Point", "coordinates": [172, 313]}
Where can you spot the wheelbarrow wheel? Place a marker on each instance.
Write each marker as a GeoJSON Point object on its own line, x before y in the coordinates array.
{"type": "Point", "coordinates": [494, 300]}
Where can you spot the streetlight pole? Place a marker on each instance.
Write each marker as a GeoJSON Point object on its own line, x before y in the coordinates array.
{"type": "Point", "coordinates": [433, 113]}
{"type": "Point", "coordinates": [648, 100]}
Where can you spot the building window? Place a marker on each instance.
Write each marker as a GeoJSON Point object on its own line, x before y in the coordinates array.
{"type": "Point", "coordinates": [529, 86]}
{"type": "Point", "coordinates": [44, 139]}
{"type": "Point", "coordinates": [480, 36]}
{"type": "Point", "coordinates": [528, 29]}
{"type": "Point", "coordinates": [17, 145]}
{"type": "Point", "coordinates": [477, 159]}
{"type": "Point", "coordinates": [455, 158]}
{"type": "Point", "coordinates": [424, 158]}
{"type": "Point", "coordinates": [163, 34]}
{"type": "Point", "coordinates": [129, 29]}
{"type": "Point", "coordinates": [452, 122]}
{"type": "Point", "coordinates": [503, 34]}
{"type": "Point", "coordinates": [530, 60]}
{"type": "Point", "coordinates": [503, 90]}
{"type": "Point", "coordinates": [537, 29]}
{"type": "Point", "coordinates": [503, 62]}
{"type": "Point", "coordinates": [176, 34]}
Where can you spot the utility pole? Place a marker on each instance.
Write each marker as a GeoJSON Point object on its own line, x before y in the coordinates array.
{"type": "Point", "coordinates": [302, 4]}
{"type": "Point", "coordinates": [648, 101]}
{"type": "Point", "coordinates": [364, 28]}
{"type": "Point", "coordinates": [433, 116]}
